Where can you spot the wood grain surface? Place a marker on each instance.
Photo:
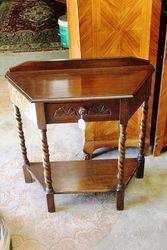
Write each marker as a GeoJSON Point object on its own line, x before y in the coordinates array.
{"type": "Point", "coordinates": [77, 84]}
{"type": "Point", "coordinates": [161, 125]}
{"type": "Point", "coordinates": [77, 92]}
{"type": "Point", "coordinates": [115, 28]}
{"type": "Point", "coordinates": [84, 176]}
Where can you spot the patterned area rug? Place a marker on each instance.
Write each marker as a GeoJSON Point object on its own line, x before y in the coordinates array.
{"type": "Point", "coordinates": [28, 25]}
{"type": "Point", "coordinates": [80, 223]}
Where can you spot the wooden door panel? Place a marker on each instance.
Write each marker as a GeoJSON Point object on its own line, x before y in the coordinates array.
{"type": "Point", "coordinates": [112, 28]}
{"type": "Point", "coordinates": [86, 27]}
{"type": "Point", "coordinates": [120, 33]}
{"type": "Point", "coordinates": [161, 126]}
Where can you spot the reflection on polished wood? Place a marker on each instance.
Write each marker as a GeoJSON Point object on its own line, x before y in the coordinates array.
{"type": "Point", "coordinates": [80, 80]}
{"type": "Point", "coordinates": [84, 176]}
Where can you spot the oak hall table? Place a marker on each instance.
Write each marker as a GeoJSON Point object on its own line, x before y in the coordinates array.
{"type": "Point", "coordinates": [94, 90]}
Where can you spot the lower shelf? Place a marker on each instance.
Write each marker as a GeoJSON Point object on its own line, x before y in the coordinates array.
{"type": "Point", "coordinates": [84, 176]}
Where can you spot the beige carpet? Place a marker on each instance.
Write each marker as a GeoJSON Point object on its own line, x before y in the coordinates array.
{"type": "Point", "coordinates": [82, 222]}
{"type": "Point", "coordinates": [8, 59]}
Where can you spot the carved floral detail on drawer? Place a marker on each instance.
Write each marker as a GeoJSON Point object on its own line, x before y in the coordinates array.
{"type": "Point", "coordinates": [99, 109]}
{"type": "Point", "coordinates": [91, 110]}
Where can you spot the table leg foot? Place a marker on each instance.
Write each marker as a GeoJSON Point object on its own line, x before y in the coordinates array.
{"type": "Point", "coordinates": [27, 176]}
{"type": "Point", "coordinates": [140, 170]}
{"type": "Point", "coordinates": [88, 150]}
{"type": "Point", "coordinates": [87, 156]}
{"type": "Point", "coordinates": [120, 198]}
{"type": "Point", "coordinates": [50, 203]}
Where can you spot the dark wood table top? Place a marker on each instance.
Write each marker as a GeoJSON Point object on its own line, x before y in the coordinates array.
{"type": "Point", "coordinates": [77, 80]}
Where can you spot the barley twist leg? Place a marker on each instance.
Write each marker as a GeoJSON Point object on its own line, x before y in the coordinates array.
{"type": "Point", "coordinates": [121, 159]}
{"type": "Point", "coordinates": [27, 175]}
{"type": "Point", "coordinates": [141, 158]}
{"type": "Point", "coordinates": [47, 172]}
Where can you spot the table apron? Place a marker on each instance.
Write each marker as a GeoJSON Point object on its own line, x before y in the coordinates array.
{"type": "Point", "coordinates": [69, 112]}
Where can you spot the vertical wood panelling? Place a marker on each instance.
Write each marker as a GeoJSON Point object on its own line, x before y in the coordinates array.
{"type": "Point", "coordinates": [73, 22]}
{"type": "Point", "coordinates": [114, 29]}
{"type": "Point", "coordinates": [153, 52]}
{"type": "Point", "coordinates": [161, 128]}
{"type": "Point", "coordinates": [86, 27]}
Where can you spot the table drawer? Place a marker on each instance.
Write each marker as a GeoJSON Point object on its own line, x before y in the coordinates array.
{"type": "Point", "coordinates": [70, 112]}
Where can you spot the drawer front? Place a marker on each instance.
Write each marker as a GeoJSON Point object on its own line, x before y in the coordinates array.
{"type": "Point", "coordinates": [70, 112]}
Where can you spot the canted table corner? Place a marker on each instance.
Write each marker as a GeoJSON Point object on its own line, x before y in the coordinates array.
{"type": "Point", "coordinates": [95, 89]}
